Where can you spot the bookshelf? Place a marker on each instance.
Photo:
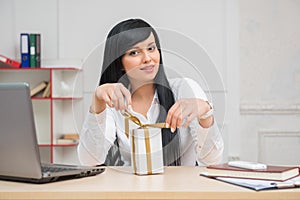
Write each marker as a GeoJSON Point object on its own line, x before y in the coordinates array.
{"type": "Point", "coordinates": [60, 113]}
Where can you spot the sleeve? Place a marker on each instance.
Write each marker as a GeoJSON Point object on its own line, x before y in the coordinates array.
{"type": "Point", "coordinates": [95, 139]}
{"type": "Point", "coordinates": [209, 142]}
{"type": "Point", "coordinates": [187, 88]}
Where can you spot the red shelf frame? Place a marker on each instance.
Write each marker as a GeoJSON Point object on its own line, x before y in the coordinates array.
{"type": "Point", "coordinates": [41, 68]}
{"type": "Point", "coordinates": [51, 145]}
{"type": "Point", "coordinates": [65, 145]}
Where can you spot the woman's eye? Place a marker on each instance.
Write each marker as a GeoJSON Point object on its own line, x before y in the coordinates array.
{"type": "Point", "coordinates": [133, 53]}
{"type": "Point", "coordinates": [152, 48]}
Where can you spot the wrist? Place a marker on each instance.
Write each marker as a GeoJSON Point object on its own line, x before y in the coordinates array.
{"type": "Point", "coordinates": [209, 113]}
{"type": "Point", "coordinates": [207, 123]}
{"type": "Point", "coordinates": [94, 111]}
{"type": "Point", "coordinates": [206, 120]}
{"type": "Point", "coordinates": [97, 106]}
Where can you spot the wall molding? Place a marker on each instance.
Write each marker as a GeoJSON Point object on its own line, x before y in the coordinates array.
{"type": "Point", "coordinates": [257, 109]}
{"type": "Point", "coordinates": [264, 135]}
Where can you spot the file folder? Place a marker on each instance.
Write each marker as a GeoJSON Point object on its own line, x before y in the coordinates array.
{"type": "Point", "coordinates": [38, 49]}
{"type": "Point", "coordinates": [6, 62]}
{"type": "Point", "coordinates": [32, 44]}
{"type": "Point", "coordinates": [25, 52]}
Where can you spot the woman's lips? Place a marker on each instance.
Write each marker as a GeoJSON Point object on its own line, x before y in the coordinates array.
{"type": "Point", "coordinates": [148, 68]}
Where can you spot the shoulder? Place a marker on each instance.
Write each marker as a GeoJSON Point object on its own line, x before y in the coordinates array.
{"type": "Point", "coordinates": [182, 82]}
{"type": "Point", "coordinates": [186, 88]}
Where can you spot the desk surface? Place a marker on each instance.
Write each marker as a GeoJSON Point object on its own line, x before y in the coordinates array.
{"type": "Point", "coordinates": [120, 183]}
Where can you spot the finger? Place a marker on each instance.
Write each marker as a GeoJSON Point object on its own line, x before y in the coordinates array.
{"type": "Point", "coordinates": [107, 100]}
{"type": "Point", "coordinates": [126, 93]}
{"type": "Point", "coordinates": [114, 100]}
{"type": "Point", "coordinates": [189, 119]}
{"type": "Point", "coordinates": [103, 95]}
{"type": "Point", "coordinates": [176, 118]}
{"type": "Point", "coordinates": [170, 114]}
{"type": "Point", "coordinates": [182, 115]}
{"type": "Point", "coordinates": [119, 99]}
{"type": "Point", "coordinates": [185, 113]}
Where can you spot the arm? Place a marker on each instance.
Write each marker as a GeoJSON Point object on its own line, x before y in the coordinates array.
{"type": "Point", "coordinates": [191, 103]}
{"type": "Point", "coordinates": [99, 130]}
{"type": "Point", "coordinates": [209, 142]}
{"type": "Point", "coordinates": [95, 140]}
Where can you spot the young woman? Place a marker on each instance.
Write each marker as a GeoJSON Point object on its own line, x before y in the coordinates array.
{"type": "Point", "coordinates": [133, 79]}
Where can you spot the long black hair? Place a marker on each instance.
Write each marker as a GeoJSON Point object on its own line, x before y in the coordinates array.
{"type": "Point", "coordinates": [122, 37]}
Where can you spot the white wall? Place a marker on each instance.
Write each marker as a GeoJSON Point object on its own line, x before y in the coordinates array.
{"type": "Point", "coordinates": [270, 80]}
{"type": "Point", "coordinates": [253, 45]}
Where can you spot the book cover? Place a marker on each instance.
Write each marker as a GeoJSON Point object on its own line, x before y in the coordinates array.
{"type": "Point", "coordinates": [32, 44]}
{"type": "Point", "coordinates": [25, 51]}
{"type": "Point", "coordinates": [278, 173]}
{"type": "Point", "coordinates": [6, 62]}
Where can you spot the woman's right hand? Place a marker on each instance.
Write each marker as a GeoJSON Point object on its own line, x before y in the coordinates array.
{"type": "Point", "coordinates": [115, 95]}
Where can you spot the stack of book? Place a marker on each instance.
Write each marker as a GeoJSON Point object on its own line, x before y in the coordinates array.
{"type": "Point", "coordinates": [268, 177]}
{"type": "Point", "coordinates": [71, 138]}
{"type": "Point", "coordinates": [30, 44]}
{"type": "Point", "coordinates": [42, 89]}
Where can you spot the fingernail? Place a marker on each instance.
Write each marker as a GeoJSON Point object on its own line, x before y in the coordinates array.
{"type": "Point", "coordinates": [129, 107]}
{"type": "Point", "coordinates": [167, 125]}
{"type": "Point", "coordinates": [172, 130]}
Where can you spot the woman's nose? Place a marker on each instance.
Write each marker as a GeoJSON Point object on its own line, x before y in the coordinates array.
{"type": "Point", "coordinates": [146, 57]}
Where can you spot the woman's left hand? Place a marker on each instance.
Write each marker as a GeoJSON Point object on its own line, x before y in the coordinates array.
{"type": "Point", "coordinates": [184, 111]}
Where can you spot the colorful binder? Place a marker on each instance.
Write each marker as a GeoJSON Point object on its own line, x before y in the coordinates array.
{"type": "Point", "coordinates": [25, 56]}
{"type": "Point", "coordinates": [38, 49]}
{"type": "Point", "coordinates": [32, 44]}
{"type": "Point", "coordinates": [6, 62]}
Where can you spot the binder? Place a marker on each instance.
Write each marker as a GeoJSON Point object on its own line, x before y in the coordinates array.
{"type": "Point", "coordinates": [32, 44]}
{"type": "Point", "coordinates": [6, 62]}
{"type": "Point", "coordinates": [38, 49]}
{"type": "Point", "coordinates": [25, 57]}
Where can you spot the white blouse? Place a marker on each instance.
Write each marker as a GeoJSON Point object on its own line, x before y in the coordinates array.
{"type": "Point", "coordinates": [196, 143]}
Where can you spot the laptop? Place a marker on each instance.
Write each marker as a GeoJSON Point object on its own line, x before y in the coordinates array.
{"type": "Point", "coordinates": [19, 151]}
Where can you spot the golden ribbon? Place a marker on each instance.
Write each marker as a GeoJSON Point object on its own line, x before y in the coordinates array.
{"type": "Point", "coordinates": [157, 125]}
{"type": "Point", "coordinates": [133, 153]}
{"type": "Point", "coordinates": [148, 150]}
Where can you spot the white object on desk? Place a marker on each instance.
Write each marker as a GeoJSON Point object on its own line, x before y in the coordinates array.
{"type": "Point", "coordinates": [247, 165]}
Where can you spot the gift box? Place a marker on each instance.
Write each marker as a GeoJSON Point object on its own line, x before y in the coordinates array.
{"type": "Point", "coordinates": [146, 150]}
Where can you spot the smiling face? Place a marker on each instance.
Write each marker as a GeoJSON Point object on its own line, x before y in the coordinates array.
{"type": "Point", "coordinates": [141, 62]}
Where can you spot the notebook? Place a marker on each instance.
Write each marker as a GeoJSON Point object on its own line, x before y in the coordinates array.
{"type": "Point", "coordinates": [272, 172]}
{"type": "Point", "coordinates": [19, 151]}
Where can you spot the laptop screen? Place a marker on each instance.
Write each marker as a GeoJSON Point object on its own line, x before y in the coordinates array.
{"type": "Point", "coordinates": [19, 152]}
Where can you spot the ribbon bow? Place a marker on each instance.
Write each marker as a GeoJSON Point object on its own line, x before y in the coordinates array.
{"type": "Point", "coordinates": [128, 116]}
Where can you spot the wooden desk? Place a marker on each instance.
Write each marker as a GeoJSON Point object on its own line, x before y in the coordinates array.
{"type": "Point", "coordinates": [119, 183]}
